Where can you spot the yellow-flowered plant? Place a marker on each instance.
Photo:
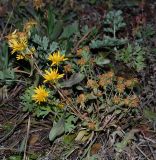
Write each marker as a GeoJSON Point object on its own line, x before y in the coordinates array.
{"type": "Point", "coordinates": [18, 41]}
{"type": "Point", "coordinates": [56, 58]}
{"type": "Point", "coordinates": [40, 94]}
{"type": "Point", "coordinates": [52, 75]}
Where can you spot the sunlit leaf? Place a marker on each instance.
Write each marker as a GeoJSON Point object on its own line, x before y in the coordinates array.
{"type": "Point", "coordinates": [83, 136]}
{"type": "Point", "coordinates": [101, 61]}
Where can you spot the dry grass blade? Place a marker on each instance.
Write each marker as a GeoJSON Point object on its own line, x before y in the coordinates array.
{"type": "Point", "coordinates": [27, 137]}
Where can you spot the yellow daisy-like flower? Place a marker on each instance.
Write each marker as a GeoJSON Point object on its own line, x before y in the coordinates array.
{"type": "Point", "coordinates": [56, 58]}
{"type": "Point", "coordinates": [17, 45]}
{"type": "Point", "coordinates": [40, 94]}
{"type": "Point", "coordinates": [52, 75]}
{"type": "Point", "coordinates": [18, 41]}
{"type": "Point", "coordinates": [19, 56]}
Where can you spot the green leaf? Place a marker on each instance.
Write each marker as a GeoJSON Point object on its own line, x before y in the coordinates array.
{"type": "Point", "coordinates": [58, 27]}
{"type": "Point", "coordinates": [51, 21]}
{"type": "Point", "coordinates": [85, 54]}
{"type": "Point", "coordinates": [7, 74]}
{"type": "Point", "coordinates": [85, 29]}
{"type": "Point", "coordinates": [37, 39]}
{"type": "Point", "coordinates": [73, 80]}
{"type": "Point", "coordinates": [107, 42]}
{"type": "Point", "coordinates": [3, 56]}
{"type": "Point", "coordinates": [45, 42]}
{"type": "Point", "coordinates": [101, 61]}
{"type": "Point", "coordinates": [68, 139]}
{"type": "Point", "coordinates": [42, 42]}
{"type": "Point", "coordinates": [69, 123]}
{"type": "Point", "coordinates": [53, 47]}
{"type": "Point", "coordinates": [42, 111]}
{"type": "Point", "coordinates": [57, 130]}
{"type": "Point", "coordinates": [114, 21]}
{"type": "Point", "coordinates": [26, 100]}
{"type": "Point", "coordinates": [15, 157]}
{"type": "Point", "coordinates": [132, 56]}
{"type": "Point", "coordinates": [80, 88]}
{"type": "Point", "coordinates": [70, 30]}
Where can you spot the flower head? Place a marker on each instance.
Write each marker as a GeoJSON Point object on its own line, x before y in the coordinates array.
{"type": "Point", "coordinates": [56, 58]}
{"type": "Point", "coordinates": [40, 94]}
{"type": "Point", "coordinates": [52, 75]}
{"type": "Point", "coordinates": [18, 41]}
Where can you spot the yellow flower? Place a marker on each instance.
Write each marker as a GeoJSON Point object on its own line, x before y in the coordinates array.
{"type": "Point", "coordinates": [18, 41]}
{"type": "Point", "coordinates": [19, 57]}
{"type": "Point", "coordinates": [40, 95]}
{"type": "Point", "coordinates": [17, 45]}
{"type": "Point", "coordinates": [56, 58]}
{"type": "Point", "coordinates": [52, 75]}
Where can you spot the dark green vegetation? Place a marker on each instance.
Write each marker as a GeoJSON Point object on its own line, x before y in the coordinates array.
{"type": "Point", "coordinates": [77, 80]}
